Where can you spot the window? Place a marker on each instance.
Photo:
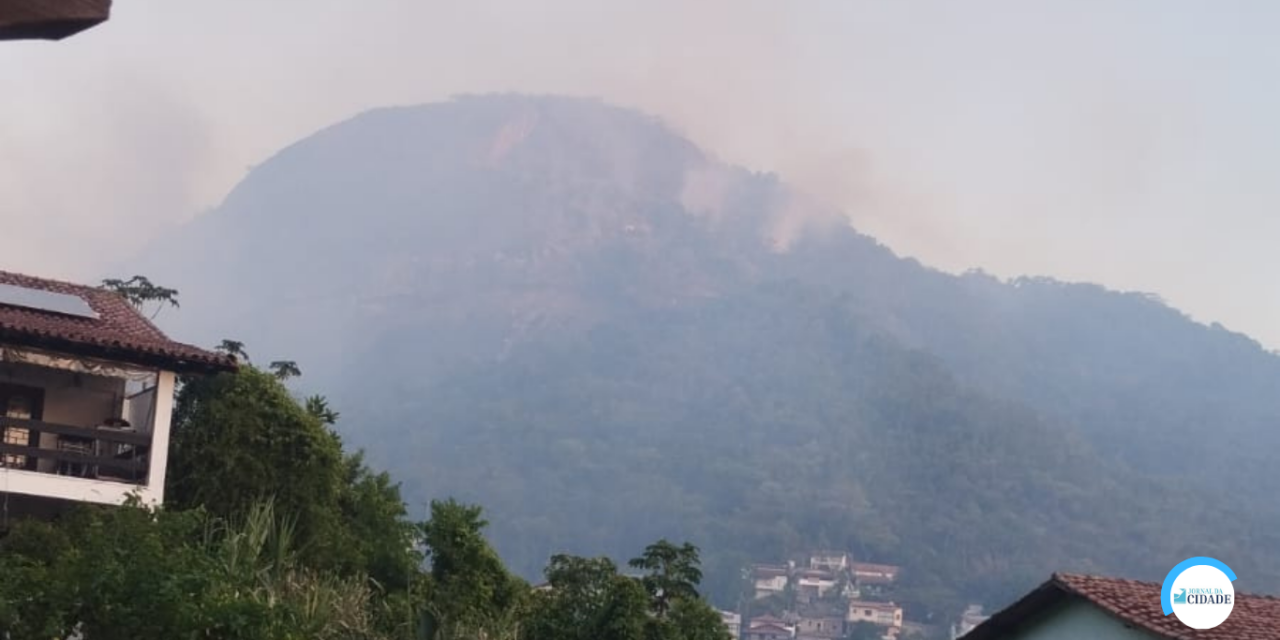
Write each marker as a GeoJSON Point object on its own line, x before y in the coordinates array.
{"type": "Point", "coordinates": [23, 403]}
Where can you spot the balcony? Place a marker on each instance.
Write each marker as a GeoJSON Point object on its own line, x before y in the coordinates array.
{"type": "Point", "coordinates": [82, 431]}
{"type": "Point", "coordinates": [111, 452]}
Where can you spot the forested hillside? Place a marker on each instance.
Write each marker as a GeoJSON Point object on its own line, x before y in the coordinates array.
{"type": "Point", "coordinates": [570, 314]}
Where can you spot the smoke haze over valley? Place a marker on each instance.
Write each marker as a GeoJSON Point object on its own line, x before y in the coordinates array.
{"type": "Point", "coordinates": [1089, 142]}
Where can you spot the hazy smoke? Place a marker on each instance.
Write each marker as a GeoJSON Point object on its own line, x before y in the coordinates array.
{"type": "Point", "coordinates": [1018, 138]}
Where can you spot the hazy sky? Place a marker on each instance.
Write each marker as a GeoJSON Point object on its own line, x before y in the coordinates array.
{"type": "Point", "coordinates": [1131, 143]}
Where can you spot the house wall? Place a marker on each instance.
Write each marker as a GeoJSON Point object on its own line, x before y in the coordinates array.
{"type": "Point", "coordinates": [861, 612]}
{"type": "Point", "coordinates": [1077, 621]}
{"type": "Point", "coordinates": [769, 586]}
{"type": "Point", "coordinates": [830, 563]}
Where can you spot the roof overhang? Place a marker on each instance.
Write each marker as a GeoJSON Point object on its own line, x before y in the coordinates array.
{"type": "Point", "coordinates": [117, 354]}
{"type": "Point", "coordinates": [50, 19]}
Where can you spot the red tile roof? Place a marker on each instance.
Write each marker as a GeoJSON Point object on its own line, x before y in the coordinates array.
{"type": "Point", "coordinates": [119, 332]}
{"type": "Point", "coordinates": [1136, 604]}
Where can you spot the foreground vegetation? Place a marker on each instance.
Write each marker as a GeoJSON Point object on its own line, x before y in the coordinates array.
{"type": "Point", "coordinates": [273, 531]}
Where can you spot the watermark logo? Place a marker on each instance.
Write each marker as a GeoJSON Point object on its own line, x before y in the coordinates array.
{"type": "Point", "coordinates": [1199, 592]}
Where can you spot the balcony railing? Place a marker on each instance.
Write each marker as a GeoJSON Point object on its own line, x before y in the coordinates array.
{"type": "Point", "coordinates": [105, 453]}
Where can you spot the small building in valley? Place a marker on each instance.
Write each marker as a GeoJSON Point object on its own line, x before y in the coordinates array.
{"type": "Point", "coordinates": [814, 627]}
{"type": "Point", "coordinates": [971, 618]}
{"type": "Point", "coordinates": [768, 628]}
{"type": "Point", "coordinates": [833, 561]}
{"type": "Point", "coordinates": [770, 579]}
{"type": "Point", "coordinates": [875, 574]}
{"type": "Point", "coordinates": [812, 584]}
{"type": "Point", "coordinates": [732, 622]}
{"type": "Point", "coordinates": [1068, 607]}
{"type": "Point", "coordinates": [885, 614]}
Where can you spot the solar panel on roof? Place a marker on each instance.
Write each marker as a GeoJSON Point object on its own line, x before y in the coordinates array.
{"type": "Point", "coordinates": [38, 300]}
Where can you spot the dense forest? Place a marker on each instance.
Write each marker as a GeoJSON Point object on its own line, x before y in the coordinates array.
{"type": "Point", "coordinates": [570, 314]}
{"type": "Point", "coordinates": [272, 530]}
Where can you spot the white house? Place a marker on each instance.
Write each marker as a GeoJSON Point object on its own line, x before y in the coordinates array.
{"type": "Point", "coordinates": [815, 583]}
{"type": "Point", "coordinates": [732, 622]}
{"type": "Point", "coordinates": [867, 573]}
{"type": "Point", "coordinates": [1068, 607]}
{"type": "Point", "coordinates": [819, 627]}
{"type": "Point", "coordinates": [971, 618]}
{"type": "Point", "coordinates": [770, 579]}
{"type": "Point", "coordinates": [885, 614]}
{"type": "Point", "coordinates": [834, 561]}
{"type": "Point", "coordinates": [86, 392]}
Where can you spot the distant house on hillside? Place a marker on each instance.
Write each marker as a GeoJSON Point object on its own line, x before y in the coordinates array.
{"type": "Point", "coordinates": [732, 622]}
{"type": "Point", "coordinates": [1072, 606]}
{"type": "Point", "coordinates": [834, 561]}
{"type": "Point", "coordinates": [812, 584]}
{"type": "Point", "coordinates": [767, 632]}
{"type": "Point", "coordinates": [875, 574]}
{"type": "Point", "coordinates": [770, 579]}
{"type": "Point", "coordinates": [86, 393]}
{"type": "Point", "coordinates": [885, 614]}
{"type": "Point", "coordinates": [768, 628]}
{"type": "Point", "coordinates": [971, 618]}
{"type": "Point", "coordinates": [819, 627]}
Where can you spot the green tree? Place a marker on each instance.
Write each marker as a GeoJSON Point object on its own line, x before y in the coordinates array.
{"type": "Point", "coordinates": [694, 619]}
{"type": "Point", "coordinates": [318, 406]}
{"type": "Point", "coordinates": [586, 599]}
{"type": "Point", "coordinates": [239, 438]}
{"type": "Point", "coordinates": [140, 291]}
{"type": "Point", "coordinates": [285, 369]}
{"type": "Point", "coordinates": [672, 573]}
{"type": "Point", "coordinates": [473, 595]}
{"type": "Point", "coordinates": [380, 538]}
{"type": "Point", "coordinates": [233, 348]}
{"type": "Point", "coordinates": [121, 573]}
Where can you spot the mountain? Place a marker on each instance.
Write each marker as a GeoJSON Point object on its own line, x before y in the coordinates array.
{"type": "Point", "coordinates": [570, 314]}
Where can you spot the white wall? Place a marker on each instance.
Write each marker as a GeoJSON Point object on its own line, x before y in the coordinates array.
{"type": "Point", "coordinates": [1079, 621]}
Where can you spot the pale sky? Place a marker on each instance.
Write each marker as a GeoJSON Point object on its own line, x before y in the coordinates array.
{"type": "Point", "coordinates": [1132, 144]}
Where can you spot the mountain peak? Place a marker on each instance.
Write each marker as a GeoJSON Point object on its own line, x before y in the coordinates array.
{"type": "Point", "coordinates": [543, 302]}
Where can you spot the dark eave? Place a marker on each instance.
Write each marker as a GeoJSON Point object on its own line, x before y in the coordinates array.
{"type": "Point", "coordinates": [1021, 613]}
{"type": "Point", "coordinates": [176, 363]}
{"type": "Point", "coordinates": [50, 19]}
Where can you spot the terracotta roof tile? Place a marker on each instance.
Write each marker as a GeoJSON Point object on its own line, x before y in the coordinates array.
{"type": "Point", "coordinates": [119, 332]}
{"type": "Point", "coordinates": [1136, 603]}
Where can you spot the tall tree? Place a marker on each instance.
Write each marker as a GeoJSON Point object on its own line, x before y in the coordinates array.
{"type": "Point", "coordinates": [233, 348]}
{"type": "Point", "coordinates": [473, 595]}
{"type": "Point", "coordinates": [241, 437]}
{"type": "Point", "coordinates": [285, 369]}
{"type": "Point", "coordinates": [672, 573]}
{"type": "Point", "coordinates": [586, 599]}
{"type": "Point", "coordinates": [318, 406]}
{"type": "Point", "coordinates": [140, 292]}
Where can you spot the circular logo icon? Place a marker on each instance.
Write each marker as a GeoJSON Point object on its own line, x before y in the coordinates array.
{"type": "Point", "coordinates": [1199, 592]}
